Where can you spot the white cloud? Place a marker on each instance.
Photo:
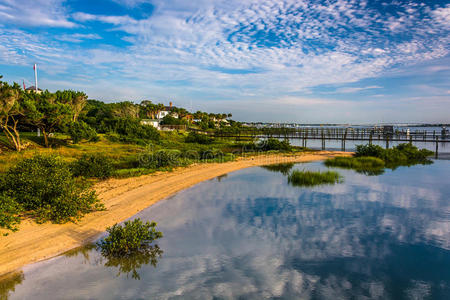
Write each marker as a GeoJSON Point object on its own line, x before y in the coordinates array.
{"type": "Point", "coordinates": [78, 37]}
{"type": "Point", "coordinates": [48, 13]}
{"type": "Point", "coordinates": [228, 50]}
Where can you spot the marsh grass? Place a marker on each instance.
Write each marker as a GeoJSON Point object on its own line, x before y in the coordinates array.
{"type": "Point", "coordinates": [366, 165]}
{"type": "Point", "coordinates": [313, 178]}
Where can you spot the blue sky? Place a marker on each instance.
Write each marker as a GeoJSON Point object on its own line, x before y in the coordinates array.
{"type": "Point", "coordinates": [278, 60]}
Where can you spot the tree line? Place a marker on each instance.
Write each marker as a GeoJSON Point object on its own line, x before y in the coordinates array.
{"type": "Point", "coordinates": [72, 113]}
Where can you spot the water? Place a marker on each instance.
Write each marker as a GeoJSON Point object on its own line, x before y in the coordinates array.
{"type": "Point", "coordinates": [350, 145]}
{"type": "Point", "coordinates": [250, 235]}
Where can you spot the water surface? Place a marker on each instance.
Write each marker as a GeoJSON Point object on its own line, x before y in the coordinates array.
{"type": "Point", "coordinates": [250, 235]}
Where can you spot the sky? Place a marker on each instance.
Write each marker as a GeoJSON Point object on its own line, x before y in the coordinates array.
{"type": "Point", "coordinates": [306, 61]}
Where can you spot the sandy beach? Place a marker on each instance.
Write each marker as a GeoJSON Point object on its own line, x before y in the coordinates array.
{"type": "Point", "coordinates": [123, 198]}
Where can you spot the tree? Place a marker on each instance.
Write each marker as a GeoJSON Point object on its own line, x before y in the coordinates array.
{"type": "Point", "coordinates": [11, 110]}
{"type": "Point", "coordinates": [77, 100]}
{"type": "Point", "coordinates": [125, 109]}
{"type": "Point", "coordinates": [47, 112]}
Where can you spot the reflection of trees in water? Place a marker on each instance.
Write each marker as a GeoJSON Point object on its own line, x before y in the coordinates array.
{"type": "Point", "coordinates": [283, 168]}
{"type": "Point", "coordinates": [8, 284]}
{"type": "Point", "coordinates": [126, 264]}
{"type": "Point", "coordinates": [84, 250]}
{"type": "Point", "coordinates": [134, 261]}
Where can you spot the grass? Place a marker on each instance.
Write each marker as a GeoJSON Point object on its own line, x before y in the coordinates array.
{"type": "Point", "coordinates": [367, 165]}
{"type": "Point", "coordinates": [311, 178]}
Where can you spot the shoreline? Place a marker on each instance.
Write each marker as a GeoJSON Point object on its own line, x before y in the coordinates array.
{"type": "Point", "coordinates": [123, 198]}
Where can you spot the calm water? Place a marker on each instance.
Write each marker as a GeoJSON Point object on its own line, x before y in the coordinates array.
{"type": "Point", "coordinates": [250, 235]}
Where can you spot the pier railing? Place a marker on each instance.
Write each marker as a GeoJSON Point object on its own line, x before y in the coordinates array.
{"type": "Point", "coordinates": [340, 134]}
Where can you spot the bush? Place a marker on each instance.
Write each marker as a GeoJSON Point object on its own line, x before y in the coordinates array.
{"type": "Point", "coordinates": [125, 240]}
{"type": "Point", "coordinates": [274, 144]}
{"type": "Point", "coordinates": [9, 210]}
{"type": "Point", "coordinates": [160, 159]}
{"type": "Point", "coordinates": [369, 150]}
{"type": "Point", "coordinates": [403, 154]}
{"type": "Point", "coordinates": [45, 186]}
{"type": "Point", "coordinates": [310, 178]}
{"type": "Point", "coordinates": [169, 120]}
{"type": "Point", "coordinates": [194, 137]}
{"type": "Point", "coordinates": [93, 165]}
{"type": "Point", "coordinates": [81, 131]}
{"type": "Point", "coordinates": [132, 129]}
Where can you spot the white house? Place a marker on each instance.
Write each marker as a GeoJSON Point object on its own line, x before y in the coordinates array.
{"type": "Point", "coordinates": [168, 110]}
{"type": "Point", "coordinates": [33, 89]}
{"type": "Point", "coordinates": [150, 122]}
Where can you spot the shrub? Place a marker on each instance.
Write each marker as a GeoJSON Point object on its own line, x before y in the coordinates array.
{"type": "Point", "coordinates": [132, 129]}
{"type": "Point", "coordinates": [194, 137]}
{"type": "Point", "coordinates": [9, 210]}
{"type": "Point", "coordinates": [403, 154]}
{"type": "Point", "coordinates": [274, 144]}
{"type": "Point", "coordinates": [45, 186]}
{"type": "Point", "coordinates": [81, 131]}
{"type": "Point", "coordinates": [160, 159]}
{"type": "Point", "coordinates": [369, 150]}
{"type": "Point", "coordinates": [310, 178]}
{"type": "Point", "coordinates": [93, 165]}
{"type": "Point", "coordinates": [125, 240]}
{"type": "Point", "coordinates": [169, 120]}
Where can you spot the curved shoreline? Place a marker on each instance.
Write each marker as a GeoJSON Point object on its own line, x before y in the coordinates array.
{"type": "Point", "coordinates": [123, 198]}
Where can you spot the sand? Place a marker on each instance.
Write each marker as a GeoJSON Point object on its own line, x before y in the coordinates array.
{"type": "Point", "coordinates": [123, 198]}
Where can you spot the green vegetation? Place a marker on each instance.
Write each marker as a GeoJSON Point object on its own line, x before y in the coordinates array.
{"type": "Point", "coordinates": [274, 144]}
{"type": "Point", "coordinates": [310, 178]}
{"type": "Point", "coordinates": [132, 237]}
{"type": "Point", "coordinates": [9, 212]}
{"type": "Point", "coordinates": [372, 159]}
{"type": "Point", "coordinates": [364, 164]}
{"type": "Point", "coordinates": [80, 141]}
{"type": "Point", "coordinates": [93, 166]}
{"type": "Point", "coordinates": [79, 131]}
{"type": "Point", "coordinates": [198, 138]}
{"type": "Point", "coordinates": [283, 168]}
{"type": "Point", "coordinates": [44, 187]}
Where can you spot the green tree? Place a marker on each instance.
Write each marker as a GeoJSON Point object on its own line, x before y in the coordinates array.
{"type": "Point", "coordinates": [47, 112]}
{"type": "Point", "coordinates": [11, 110]}
{"type": "Point", "coordinates": [76, 100]}
{"type": "Point", "coordinates": [81, 131]}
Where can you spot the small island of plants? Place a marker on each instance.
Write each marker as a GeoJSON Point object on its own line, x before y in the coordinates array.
{"type": "Point", "coordinates": [311, 178]}
{"type": "Point", "coordinates": [129, 246]}
{"type": "Point", "coordinates": [373, 159]}
{"type": "Point", "coordinates": [129, 238]}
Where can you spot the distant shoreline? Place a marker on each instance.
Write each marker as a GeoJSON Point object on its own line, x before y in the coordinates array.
{"type": "Point", "coordinates": [123, 199]}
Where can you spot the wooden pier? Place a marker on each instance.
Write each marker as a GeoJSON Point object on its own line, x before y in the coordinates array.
{"type": "Point", "coordinates": [343, 135]}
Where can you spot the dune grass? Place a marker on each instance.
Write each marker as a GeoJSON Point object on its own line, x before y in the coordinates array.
{"type": "Point", "coordinates": [311, 178]}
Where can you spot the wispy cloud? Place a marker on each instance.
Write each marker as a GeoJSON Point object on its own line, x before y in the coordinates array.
{"type": "Point", "coordinates": [49, 13]}
{"type": "Point", "coordinates": [214, 47]}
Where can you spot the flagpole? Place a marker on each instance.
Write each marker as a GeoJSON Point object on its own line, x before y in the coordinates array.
{"type": "Point", "coordinates": [35, 77]}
